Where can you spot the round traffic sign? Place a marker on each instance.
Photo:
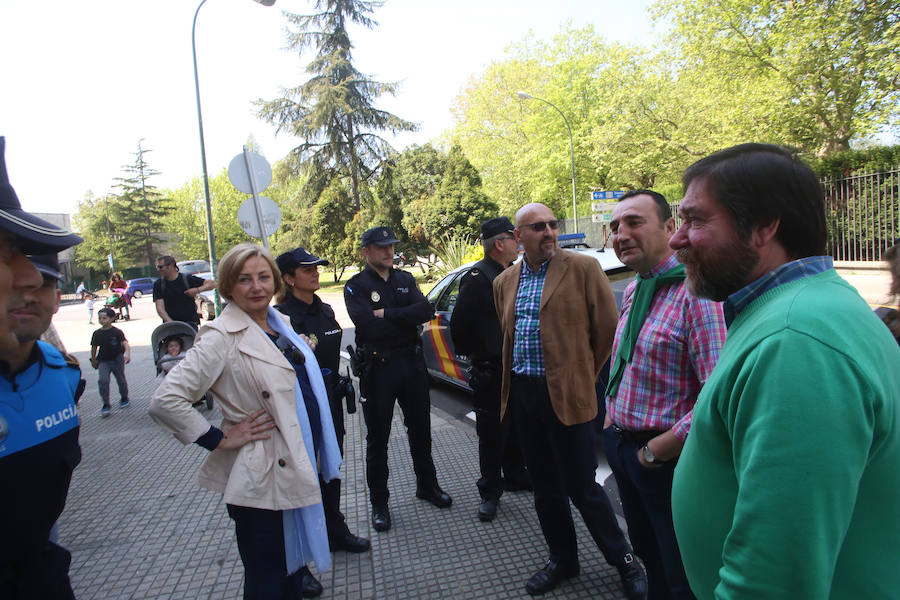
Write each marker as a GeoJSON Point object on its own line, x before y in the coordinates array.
{"type": "Point", "coordinates": [271, 216]}
{"type": "Point", "coordinates": [240, 178]}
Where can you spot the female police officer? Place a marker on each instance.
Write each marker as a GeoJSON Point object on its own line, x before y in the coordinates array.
{"type": "Point", "coordinates": [315, 319]}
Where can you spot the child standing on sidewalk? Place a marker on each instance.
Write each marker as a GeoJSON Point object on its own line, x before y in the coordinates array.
{"type": "Point", "coordinates": [110, 353]}
{"type": "Point", "coordinates": [91, 298]}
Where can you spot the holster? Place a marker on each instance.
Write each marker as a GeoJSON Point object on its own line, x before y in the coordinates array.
{"type": "Point", "coordinates": [481, 373]}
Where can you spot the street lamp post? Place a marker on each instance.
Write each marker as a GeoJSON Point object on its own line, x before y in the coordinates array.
{"type": "Point", "coordinates": [209, 225]}
{"type": "Point", "coordinates": [527, 96]}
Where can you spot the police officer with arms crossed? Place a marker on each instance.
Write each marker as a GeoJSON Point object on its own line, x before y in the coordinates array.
{"type": "Point", "coordinates": [38, 421]}
{"type": "Point", "coordinates": [315, 319]}
{"type": "Point", "coordinates": [476, 333]}
{"type": "Point", "coordinates": [387, 307]}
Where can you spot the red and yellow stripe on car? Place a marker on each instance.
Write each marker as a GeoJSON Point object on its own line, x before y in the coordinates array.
{"type": "Point", "coordinates": [445, 360]}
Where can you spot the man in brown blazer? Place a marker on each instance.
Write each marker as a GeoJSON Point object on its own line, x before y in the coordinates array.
{"type": "Point", "coordinates": [559, 317]}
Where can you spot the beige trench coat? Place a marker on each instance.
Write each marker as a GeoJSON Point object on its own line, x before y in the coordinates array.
{"type": "Point", "coordinates": [234, 359]}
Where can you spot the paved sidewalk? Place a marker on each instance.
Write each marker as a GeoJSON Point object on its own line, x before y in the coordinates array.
{"type": "Point", "coordinates": [139, 527]}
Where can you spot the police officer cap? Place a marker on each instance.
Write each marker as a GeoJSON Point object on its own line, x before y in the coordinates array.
{"type": "Point", "coordinates": [33, 235]}
{"type": "Point", "coordinates": [380, 236]}
{"type": "Point", "coordinates": [496, 226]}
{"type": "Point", "coordinates": [47, 264]}
{"type": "Point", "coordinates": [298, 257]}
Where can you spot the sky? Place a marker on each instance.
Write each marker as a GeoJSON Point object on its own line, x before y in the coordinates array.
{"type": "Point", "coordinates": [83, 82]}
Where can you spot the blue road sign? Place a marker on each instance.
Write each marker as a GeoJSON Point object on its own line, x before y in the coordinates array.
{"type": "Point", "coordinates": [607, 194]}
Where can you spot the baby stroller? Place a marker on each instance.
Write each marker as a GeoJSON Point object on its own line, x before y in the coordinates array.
{"type": "Point", "coordinates": [160, 339]}
{"type": "Point", "coordinates": [118, 302]}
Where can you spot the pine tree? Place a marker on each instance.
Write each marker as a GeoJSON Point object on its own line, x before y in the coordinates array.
{"type": "Point", "coordinates": [138, 212]}
{"type": "Point", "coordinates": [333, 111]}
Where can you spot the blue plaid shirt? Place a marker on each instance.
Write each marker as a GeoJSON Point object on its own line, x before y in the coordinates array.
{"type": "Point", "coordinates": [791, 271]}
{"type": "Point", "coordinates": [528, 355]}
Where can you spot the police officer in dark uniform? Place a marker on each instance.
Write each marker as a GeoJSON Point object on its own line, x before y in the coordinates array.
{"type": "Point", "coordinates": [387, 307]}
{"type": "Point", "coordinates": [475, 329]}
{"type": "Point", "coordinates": [38, 421]}
{"type": "Point", "coordinates": [315, 319]}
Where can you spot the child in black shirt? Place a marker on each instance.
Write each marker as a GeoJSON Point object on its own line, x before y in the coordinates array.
{"type": "Point", "coordinates": [110, 353]}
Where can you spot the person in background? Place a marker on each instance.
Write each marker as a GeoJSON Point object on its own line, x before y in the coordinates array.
{"type": "Point", "coordinates": [558, 316]}
{"type": "Point", "coordinates": [315, 319]}
{"type": "Point", "coordinates": [667, 343]}
{"type": "Point", "coordinates": [174, 293]}
{"type": "Point", "coordinates": [476, 333]}
{"type": "Point", "coordinates": [787, 486]}
{"type": "Point", "coordinates": [48, 266]}
{"type": "Point", "coordinates": [276, 428]}
{"type": "Point", "coordinates": [387, 307]}
{"type": "Point", "coordinates": [110, 353]}
{"type": "Point", "coordinates": [39, 423]}
{"type": "Point", "coordinates": [118, 288]}
{"type": "Point", "coordinates": [174, 353]}
{"type": "Point", "coordinates": [888, 315]}
{"type": "Point", "coordinates": [91, 299]}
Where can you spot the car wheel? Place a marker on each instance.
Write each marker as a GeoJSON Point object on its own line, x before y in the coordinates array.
{"type": "Point", "coordinates": [138, 293]}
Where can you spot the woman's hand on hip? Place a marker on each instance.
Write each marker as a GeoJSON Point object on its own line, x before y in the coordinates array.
{"type": "Point", "coordinates": [251, 429]}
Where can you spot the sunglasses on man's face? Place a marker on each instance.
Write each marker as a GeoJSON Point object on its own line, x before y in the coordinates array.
{"type": "Point", "coordinates": [161, 267]}
{"type": "Point", "coordinates": [540, 225]}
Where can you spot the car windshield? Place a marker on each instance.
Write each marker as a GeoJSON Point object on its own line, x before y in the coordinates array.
{"type": "Point", "coordinates": [192, 267]}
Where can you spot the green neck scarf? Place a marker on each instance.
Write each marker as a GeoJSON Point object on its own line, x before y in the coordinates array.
{"type": "Point", "coordinates": [640, 304]}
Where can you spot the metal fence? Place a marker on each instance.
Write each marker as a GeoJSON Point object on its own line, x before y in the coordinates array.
{"type": "Point", "coordinates": [863, 213]}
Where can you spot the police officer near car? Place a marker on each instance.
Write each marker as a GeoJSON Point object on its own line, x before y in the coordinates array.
{"type": "Point", "coordinates": [315, 319]}
{"type": "Point", "coordinates": [387, 307]}
{"type": "Point", "coordinates": [475, 329]}
{"type": "Point", "coordinates": [39, 423]}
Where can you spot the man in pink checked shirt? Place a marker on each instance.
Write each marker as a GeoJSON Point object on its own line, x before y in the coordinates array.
{"type": "Point", "coordinates": [667, 343]}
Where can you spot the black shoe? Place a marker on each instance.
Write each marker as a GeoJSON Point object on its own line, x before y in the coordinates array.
{"type": "Point", "coordinates": [350, 543]}
{"type": "Point", "coordinates": [309, 584]}
{"type": "Point", "coordinates": [550, 576]}
{"type": "Point", "coordinates": [633, 578]}
{"type": "Point", "coordinates": [488, 510]}
{"type": "Point", "coordinates": [381, 518]}
{"type": "Point", "coordinates": [435, 495]}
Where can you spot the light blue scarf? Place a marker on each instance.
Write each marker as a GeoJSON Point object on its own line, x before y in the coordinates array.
{"type": "Point", "coordinates": [305, 535]}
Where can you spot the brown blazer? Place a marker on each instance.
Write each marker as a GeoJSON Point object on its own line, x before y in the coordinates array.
{"type": "Point", "coordinates": [578, 322]}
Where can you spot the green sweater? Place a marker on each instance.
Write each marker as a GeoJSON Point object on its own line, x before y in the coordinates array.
{"type": "Point", "coordinates": [789, 483]}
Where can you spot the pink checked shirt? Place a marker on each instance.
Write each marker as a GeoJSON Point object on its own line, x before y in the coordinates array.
{"type": "Point", "coordinates": [675, 352]}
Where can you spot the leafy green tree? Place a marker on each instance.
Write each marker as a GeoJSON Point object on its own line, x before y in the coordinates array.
{"type": "Point", "coordinates": [830, 69]}
{"type": "Point", "coordinates": [289, 192]}
{"type": "Point", "coordinates": [91, 223]}
{"type": "Point", "coordinates": [329, 239]}
{"type": "Point", "coordinates": [441, 194]}
{"type": "Point", "coordinates": [187, 221]}
{"type": "Point", "coordinates": [333, 112]}
{"type": "Point", "coordinates": [138, 213]}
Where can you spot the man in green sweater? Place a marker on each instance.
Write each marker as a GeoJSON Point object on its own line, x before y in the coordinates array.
{"type": "Point", "coordinates": [789, 482]}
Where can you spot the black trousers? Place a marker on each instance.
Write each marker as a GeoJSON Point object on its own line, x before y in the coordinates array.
{"type": "Point", "coordinates": [562, 464]}
{"type": "Point", "coordinates": [402, 379]}
{"type": "Point", "coordinates": [335, 522]}
{"type": "Point", "coordinates": [260, 540]}
{"type": "Point", "coordinates": [37, 574]}
{"type": "Point", "coordinates": [646, 496]}
{"type": "Point", "coordinates": [498, 444]}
